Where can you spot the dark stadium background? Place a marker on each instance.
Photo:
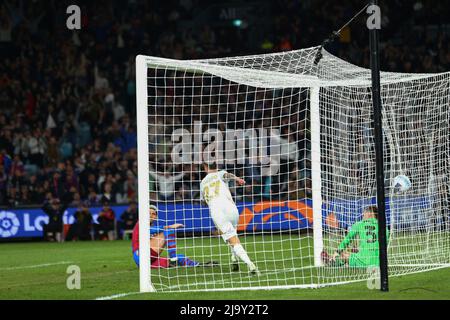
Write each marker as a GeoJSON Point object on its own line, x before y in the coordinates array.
{"type": "Point", "coordinates": [67, 98]}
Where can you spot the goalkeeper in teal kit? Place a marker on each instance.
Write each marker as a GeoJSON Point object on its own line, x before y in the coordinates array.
{"type": "Point", "coordinates": [365, 235]}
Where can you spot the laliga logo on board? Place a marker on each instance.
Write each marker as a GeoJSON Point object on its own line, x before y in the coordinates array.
{"type": "Point", "coordinates": [9, 224]}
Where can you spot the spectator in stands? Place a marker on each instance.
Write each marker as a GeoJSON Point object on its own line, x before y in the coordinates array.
{"type": "Point", "coordinates": [3, 185]}
{"type": "Point", "coordinates": [129, 187]}
{"type": "Point", "coordinates": [57, 185]}
{"type": "Point", "coordinates": [71, 179]}
{"type": "Point", "coordinates": [93, 198]}
{"type": "Point", "coordinates": [16, 184]}
{"type": "Point", "coordinates": [166, 183]}
{"type": "Point", "coordinates": [106, 223]}
{"type": "Point", "coordinates": [65, 108]}
{"type": "Point", "coordinates": [74, 197]}
{"type": "Point", "coordinates": [289, 154]}
{"type": "Point", "coordinates": [25, 198]}
{"type": "Point", "coordinates": [36, 190]}
{"type": "Point", "coordinates": [81, 228]}
{"type": "Point", "coordinates": [6, 161]}
{"type": "Point", "coordinates": [296, 190]}
{"type": "Point", "coordinates": [248, 195]}
{"type": "Point", "coordinates": [16, 165]}
{"type": "Point", "coordinates": [55, 212]}
{"type": "Point", "coordinates": [37, 147]}
{"type": "Point", "coordinates": [129, 217]}
{"type": "Point", "coordinates": [53, 154]}
{"type": "Point", "coordinates": [108, 193]}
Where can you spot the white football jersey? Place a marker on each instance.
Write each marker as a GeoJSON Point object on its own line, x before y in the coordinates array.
{"type": "Point", "coordinates": [215, 187]}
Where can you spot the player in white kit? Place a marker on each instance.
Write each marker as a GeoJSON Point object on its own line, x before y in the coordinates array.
{"type": "Point", "coordinates": [215, 192]}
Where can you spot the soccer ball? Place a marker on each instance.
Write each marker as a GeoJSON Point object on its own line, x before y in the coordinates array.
{"type": "Point", "coordinates": [401, 184]}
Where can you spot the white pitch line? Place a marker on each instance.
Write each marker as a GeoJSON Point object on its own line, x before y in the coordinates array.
{"type": "Point", "coordinates": [36, 266]}
{"type": "Point", "coordinates": [242, 277]}
{"type": "Point", "coordinates": [121, 295]}
{"type": "Point", "coordinates": [115, 296]}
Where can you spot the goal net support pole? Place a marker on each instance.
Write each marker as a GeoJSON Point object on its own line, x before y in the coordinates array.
{"type": "Point", "coordinates": [379, 155]}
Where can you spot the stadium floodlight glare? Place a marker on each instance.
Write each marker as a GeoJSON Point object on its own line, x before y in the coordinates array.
{"type": "Point", "coordinates": [321, 118]}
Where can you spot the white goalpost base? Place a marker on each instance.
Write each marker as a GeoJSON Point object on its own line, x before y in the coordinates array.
{"type": "Point", "coordinates": [305, 137]}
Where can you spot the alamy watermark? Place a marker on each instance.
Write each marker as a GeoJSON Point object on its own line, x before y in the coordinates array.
{"type": "Point", "coordinates": [73, 22]}
{"type": "Point", "coordinates": [373, 282]}
{"type": "Point", "coordinates": [73, 281]}
{"type": "Point", "coordinates": [374, 20]}
{"type": "Point", "coordinates": [229, 147]}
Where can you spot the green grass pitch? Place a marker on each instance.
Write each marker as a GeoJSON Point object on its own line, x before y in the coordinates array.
{"type": "Point", "coordinates": [38, 271]}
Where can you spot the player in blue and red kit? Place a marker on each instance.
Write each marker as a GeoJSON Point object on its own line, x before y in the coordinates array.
{"type": "Point", "coordinates": [161, 237]}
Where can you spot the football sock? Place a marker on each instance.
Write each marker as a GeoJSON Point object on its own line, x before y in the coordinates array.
{"type": "Point", "coordinates": [169, 235]}
{"type": "Point", "coordinates": [242, 254]}
{"type": "Point", "coordinates": [234, 258]}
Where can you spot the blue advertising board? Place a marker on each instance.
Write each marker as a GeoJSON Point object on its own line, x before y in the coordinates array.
{"type": "Point", "coordinates": [262, 216]}
{"type": "Point", "coordinates": [27, 223]}
{"type": "Point", "coordinates": [409, 213]}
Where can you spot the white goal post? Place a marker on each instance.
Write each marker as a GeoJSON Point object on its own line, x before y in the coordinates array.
{"type": "Point", "coordinates": [301, 135]}
{"type": "Point", "coordinates": [145, 284]}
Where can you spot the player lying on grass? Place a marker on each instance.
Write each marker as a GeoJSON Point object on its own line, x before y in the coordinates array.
{"type": "Point", "coordinates": [161, 237]}
{"type": "Point", "coordinates": [215, 192]}
{"type": "Point", "coordinates": [365, 234]}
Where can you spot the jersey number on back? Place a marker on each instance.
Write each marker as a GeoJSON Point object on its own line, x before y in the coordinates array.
{"type": "Point", "coordinates": [211, 191]}
{"type": "Point", "coordinates": [370, 234]}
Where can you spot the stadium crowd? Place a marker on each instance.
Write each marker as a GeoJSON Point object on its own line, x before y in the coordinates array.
{"type": "Point", "coordinates": [67, 98]}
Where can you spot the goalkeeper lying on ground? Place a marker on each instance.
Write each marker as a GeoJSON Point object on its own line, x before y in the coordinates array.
{"type": "Point", "coordinates": [365, 234]}
{"type": "Point", "coordinates": [159, 238]}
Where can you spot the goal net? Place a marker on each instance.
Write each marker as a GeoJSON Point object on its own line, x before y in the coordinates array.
{"type": "Point", "coordinates": [301, 136]}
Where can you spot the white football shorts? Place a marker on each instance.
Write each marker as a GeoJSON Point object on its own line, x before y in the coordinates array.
{"type": "Point", "coordinates": [225, 216]}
